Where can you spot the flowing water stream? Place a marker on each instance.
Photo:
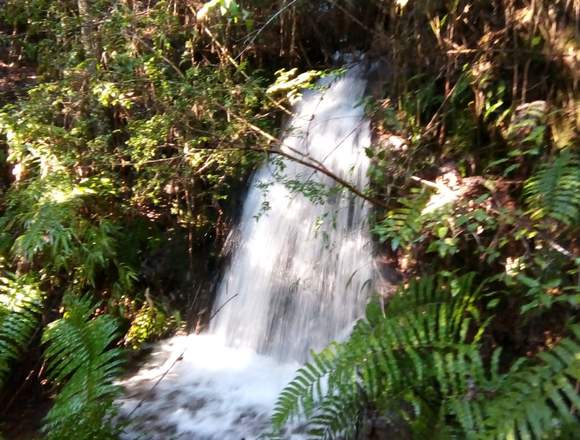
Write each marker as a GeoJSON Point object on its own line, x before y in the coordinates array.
{"type": "Point", "coordinates": [298, 278]}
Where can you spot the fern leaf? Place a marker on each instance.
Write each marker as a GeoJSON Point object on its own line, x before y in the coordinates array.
{"type": "Point", "coordinates": [554, 190]}
{"type": "Point", "coordinates": [426, 344]}
{"type": "Point", "coordinates": [536, 400]}
{"type": "Point", "coordinates": [80, 359]}
{"type": "Point", "coordinates": [20, 306]}
{"type": "Point", "coordinates": [384, 358]}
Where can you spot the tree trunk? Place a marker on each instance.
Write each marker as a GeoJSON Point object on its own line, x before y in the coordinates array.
{"type": "Point", "coordinates": [87, 31]}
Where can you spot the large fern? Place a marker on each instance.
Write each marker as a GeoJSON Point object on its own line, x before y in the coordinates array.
{"type": "Point", "coordinates": [20, 306]}
{"type": "Point", "coordinates": [554, 190]}
{"type": "Point", "coordinates": [80, 359]}
{"type": "Point", "coordinates": [422, 358]}
{"type": "Point", "coordinates": [387, 357]}
{"type": "Point", "coordinates": [539, 398]}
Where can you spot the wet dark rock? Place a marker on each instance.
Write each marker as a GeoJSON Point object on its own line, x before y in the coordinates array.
{"type": "Point", "coordinates": [389, 427]}
{"type": "Point", "coordinates": [195, 405]}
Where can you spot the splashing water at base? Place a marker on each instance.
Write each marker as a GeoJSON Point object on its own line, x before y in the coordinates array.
{"type": "Point", "coordinates": [214, 392]}
{"type": "Point", "coordinates": [299, 277]}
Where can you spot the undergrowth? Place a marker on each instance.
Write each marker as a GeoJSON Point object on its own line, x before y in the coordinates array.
{"type": "Point", "coordinates": [146, 117]}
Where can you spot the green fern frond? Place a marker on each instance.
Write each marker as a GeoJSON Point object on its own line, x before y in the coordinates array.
{"type": "Point", "coordinates": [46, 223]}
{"type": "Point", "coordinates": [334, 417]}
{"type": "Point", "coordinates": [80, 360]}
{"type": "Point", "coordinates": [554, 190]}
{"type": "Point", "coordinates": [533, 400]}
{"type": "Point", "coordinates": [20, 307]}
{"type": "Point", "coordinates": [300, 395]}
{"type": "Point", "coordinates": [384, 358]}
{"type": "Point", "coordinates": [423, 353]}
{"type": "Point", "coordinates": [538, 400]}
{"type": "Point", "coordinates": [403, 226]}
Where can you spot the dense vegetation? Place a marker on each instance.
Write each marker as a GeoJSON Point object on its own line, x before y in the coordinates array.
{"type": "Point", "coordinates": [141, 124]}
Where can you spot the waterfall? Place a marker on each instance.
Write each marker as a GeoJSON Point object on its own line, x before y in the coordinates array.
{"type": "Point", "coordinates": [298, 278]}
{"type": "Point", "coordinates": [301, 273]}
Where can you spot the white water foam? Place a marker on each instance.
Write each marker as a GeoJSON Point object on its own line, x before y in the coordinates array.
{"type": "Point", "coordinates": [213, 392]}
{"type": "Point", "coordinates": [299, 277]}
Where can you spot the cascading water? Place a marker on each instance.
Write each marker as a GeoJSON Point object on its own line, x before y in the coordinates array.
{"type": "Point", "coordinates": [299, 277]}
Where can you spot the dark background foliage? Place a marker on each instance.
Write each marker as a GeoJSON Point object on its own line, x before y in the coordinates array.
{"type": "Point", "coordinates": [129, 129]}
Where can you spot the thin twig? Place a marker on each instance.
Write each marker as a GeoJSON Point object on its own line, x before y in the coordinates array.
{"type": "Point", "coordinates": [222, 306]}
{"type": "Point", "coordinates": [234, 63]}
{"type": "Point", "coordinates": [163, 57]}
{"type": "Point", "coordinates": [433, 120]}
{"type": "Point", "coordinates": [261, 29]}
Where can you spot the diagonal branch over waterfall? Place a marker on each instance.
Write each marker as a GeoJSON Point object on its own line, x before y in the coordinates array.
{"type": "Point", "coordinates": [317, 166]}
